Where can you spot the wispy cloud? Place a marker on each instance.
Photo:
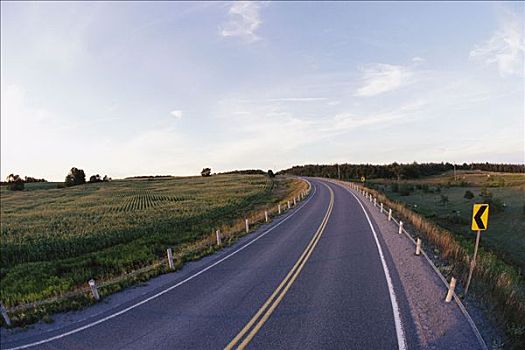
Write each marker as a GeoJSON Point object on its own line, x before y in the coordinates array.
{"type": "Point", "coordinates": [380, 78]}
{"type": "Point", "coordinates": [177, 114]}
{"type": "Point", "coordinates": [505, 48]}
{"type": "Point", "coordinates": [244, 21]}
{"type": "Point", "coordinates": [298, 99]}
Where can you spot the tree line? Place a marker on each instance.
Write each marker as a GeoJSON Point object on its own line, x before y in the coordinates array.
{"type": "Point", "coordinates": [394, 170]}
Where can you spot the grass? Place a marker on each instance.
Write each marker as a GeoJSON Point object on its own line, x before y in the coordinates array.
{"type": "Point", "coordinates": [53, 240]}
{"type": "Point", "coordinates": [440, 212]}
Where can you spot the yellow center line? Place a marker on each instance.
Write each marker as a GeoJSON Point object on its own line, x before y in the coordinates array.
{"type": "Point", "coordinates": [283, 286]}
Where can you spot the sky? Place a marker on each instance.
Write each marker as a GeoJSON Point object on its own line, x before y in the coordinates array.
{"type": "Point", "coordinates": [143, 88]}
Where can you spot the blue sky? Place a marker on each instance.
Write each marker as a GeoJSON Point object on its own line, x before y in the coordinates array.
{"type": "Point", "coordinates": [171, 87]}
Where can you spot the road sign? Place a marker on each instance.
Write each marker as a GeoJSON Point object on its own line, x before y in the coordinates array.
{"type": "Point", "coordinates": [363, 179]}
{"type": "Point", "coordinates": [480, 217]}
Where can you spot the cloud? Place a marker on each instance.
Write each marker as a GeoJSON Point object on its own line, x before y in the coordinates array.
{"type": "Point", "coordinates": [380, 78]}
{"type": "Point", "coordinates": [177, 114]}
{"type": "Point", "coordinates": [418, 59]}
{"type": "Point", "coordinates": [298, 99]}
{"type": "Point", "coordinates": [244, 21]}
{"type": "Point", "coordinates": [505, 48]}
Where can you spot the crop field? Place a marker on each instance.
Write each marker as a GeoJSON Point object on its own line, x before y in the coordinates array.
{"type": "Point", "coordinates": [54, 239]}
{"type": "Point", "coordinates": [506, 232]}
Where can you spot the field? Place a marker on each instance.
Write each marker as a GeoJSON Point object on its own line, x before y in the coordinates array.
{"type": "Point", "coordinates": [506, 232]}
{"type": "Point", "coordinates": [54, 239]}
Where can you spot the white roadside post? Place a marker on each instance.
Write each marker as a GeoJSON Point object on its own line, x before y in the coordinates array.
{"type": "Point", "coordinates": [294, 202]}
{"type": "Point", "coordinates": [381, 208]}
{"type": "Point", "coordinates": [400, 227]}
{"type": "Point", "coordinates": [247, 225]}
{"type": "Point", "coordinates": [218, 235]}
{"type": "Point", "coordinates": [418, 246]}
{"type": "Point", "coordinates": [375, 202]}
{"type": "Point", "coordinates": [169, 252]}
{"type": "Point", "coordinates": [370, 198]}
{"type": "Point", "coordinates": [94, 289]}
{"type": "Point", "coordinates": [266, 215]}
{"type": "Point", "coordinates": [288, 204]}
{"type": "Point", "coordinates": [279, 208]}
{"type": "Point", "coordinates": [5, 315]}
{"type": "Point", "coordinates": [451, 288]}
{"type": "Point", "coordinates": [389, 214]}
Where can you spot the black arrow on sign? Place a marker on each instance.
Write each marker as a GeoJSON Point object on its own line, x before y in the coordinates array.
{"type": "Point", "coordinates": [478, 215]}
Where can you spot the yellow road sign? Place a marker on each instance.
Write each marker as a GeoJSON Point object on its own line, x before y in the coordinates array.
{"type": "Point", "coordinates": [480, 217]}
{"type": "Point", "coordinates": [363, 179]}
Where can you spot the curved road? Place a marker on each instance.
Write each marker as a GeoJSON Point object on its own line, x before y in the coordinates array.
{"type": "Point", "coordinates": [314, 278]}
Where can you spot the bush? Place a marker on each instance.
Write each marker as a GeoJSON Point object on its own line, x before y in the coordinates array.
{"type": "Point", "coordinates": [75, 177]}
{"type": "Point", "coordinates": [405, 189]}
{"type": "Point", "coordinates": [270, 173]}
{"type": "Point", "coordinates": [15, 183]}
{"type": "Point", "coordinates": [468, 195]}
{"type": "Point", "coordinates": [206, 172]}
{"type": "Point", "coordinates": [394, 187]}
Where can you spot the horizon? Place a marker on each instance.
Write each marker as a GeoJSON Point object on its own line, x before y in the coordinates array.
{"type": "Point", "coordinates": [129, 89]}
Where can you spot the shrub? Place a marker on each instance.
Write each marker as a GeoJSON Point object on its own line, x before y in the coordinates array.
{"type": "Point", "coordinates": [468, 194]}
{"type": "Point", "coordinates": [15, 183]}
{"type": "Point", "coordinates": [206, 172]}
{"type": "Point", "coordinates": [394, 187]}
{"type": "Point", "coordinates": [405, 189]}
{"type": "Point", "coordinates": [75, 177]}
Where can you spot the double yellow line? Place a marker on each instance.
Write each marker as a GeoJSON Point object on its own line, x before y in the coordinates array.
{"type": "Point", "coordinates": [258, 320]}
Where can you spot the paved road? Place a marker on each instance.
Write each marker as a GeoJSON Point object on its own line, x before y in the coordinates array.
{"type": "Point", "coordinates": [313, 279]}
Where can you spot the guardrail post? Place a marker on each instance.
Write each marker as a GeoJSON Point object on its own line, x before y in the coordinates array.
{"type": "Point", "coordinates": [279, 208]}
{"type": "Point", "coordinates": [247, 225]}
{"type": "Point", "coordinates": [94, 289]}
{"type": "Point", "coordinates": [389, 214]}
{"type": "Point", "coordinates": [288, 204]}
{"type": "Point", "coordinates": [381, 208]}
{"type": "Point", "coordinates": [370, 198]}
{"type": "Point", "coordinates": [294, 202]}
{"type": "Point", "coordinates": [451, 288]}
{"type": "Point", "coordinates": [375, 202]}
{"type": "Point", "coordinates": [5, 315]}
{"type": "Point", "coordinates": [418, 246]}
{"type": "Point", "coordinates": [400, 227]}
{"type": "Point", "coordinates": [266, 215]}
{"type": "Point", "coordinates": [218, 235]}
{"type": "Point", "coordinates": [169, 252]}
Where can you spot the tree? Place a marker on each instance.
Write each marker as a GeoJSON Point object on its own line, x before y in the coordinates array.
{"type": "Point", "coordinates": [468, 194]}
{"type": "Point", "coordinates": [206, 172]}
{"type": "Point", "coordinates": [15, 182]}
{"type": "Point", "coordinates": [75, 177]}
{"type": "Point", "coordinates": [270, 173]}
{"type": "Point", "coordinates": [95, 178]}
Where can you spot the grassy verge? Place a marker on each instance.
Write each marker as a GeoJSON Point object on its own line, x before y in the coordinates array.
{"type": "Point", "coordinates": [33, 290]}
{"type": "Point", "coordinates": [499, 285]}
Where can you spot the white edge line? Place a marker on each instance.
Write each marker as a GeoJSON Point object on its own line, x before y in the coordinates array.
{"type": "Point", "coordinates": [401, 343]}
{"type": "Point", "coordinates": [89, 325]}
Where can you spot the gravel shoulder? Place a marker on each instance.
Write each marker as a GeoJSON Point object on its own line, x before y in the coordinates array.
{"type": "Point", "coordinates": [439, 325]}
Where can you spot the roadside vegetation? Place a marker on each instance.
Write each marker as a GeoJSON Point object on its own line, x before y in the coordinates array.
{"type": "Point", "coordinates": [53, 240]}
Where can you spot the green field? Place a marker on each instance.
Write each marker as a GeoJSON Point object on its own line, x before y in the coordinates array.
{"type": "Point", "coordinates": [54, 239]}
{"type": "Point", "coordinates": [506, 232]}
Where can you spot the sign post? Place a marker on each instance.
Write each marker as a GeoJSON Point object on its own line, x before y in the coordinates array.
{"type": "Point", "coordinates": [480, 218]}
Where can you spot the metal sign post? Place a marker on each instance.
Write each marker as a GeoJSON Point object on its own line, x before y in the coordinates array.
{"type": "Point", "coordinates": [480, 218]}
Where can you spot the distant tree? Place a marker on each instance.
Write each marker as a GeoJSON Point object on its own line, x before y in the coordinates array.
{"type": "Point", "coordinates": [75, 177]}
{"type": "Point", "coordinates": [270, 173]}
{"type": "Point", "coordinates": [106, 178]}
{"type": "Point", "coordinates": [468, 194]}
{"type": "Point", "coordinates": [95, 178]}
{"type": "Point", "coordinates": [15, 183]}
{"type": "Point", "coordinates": [206, 172]}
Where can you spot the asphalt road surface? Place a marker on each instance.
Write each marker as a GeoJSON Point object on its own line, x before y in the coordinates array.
{"type": "Point", "coordinates": [315, 278]}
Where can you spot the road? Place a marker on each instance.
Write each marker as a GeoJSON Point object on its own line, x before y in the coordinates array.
{"type": "Point", "coordinates": [315, 278]}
